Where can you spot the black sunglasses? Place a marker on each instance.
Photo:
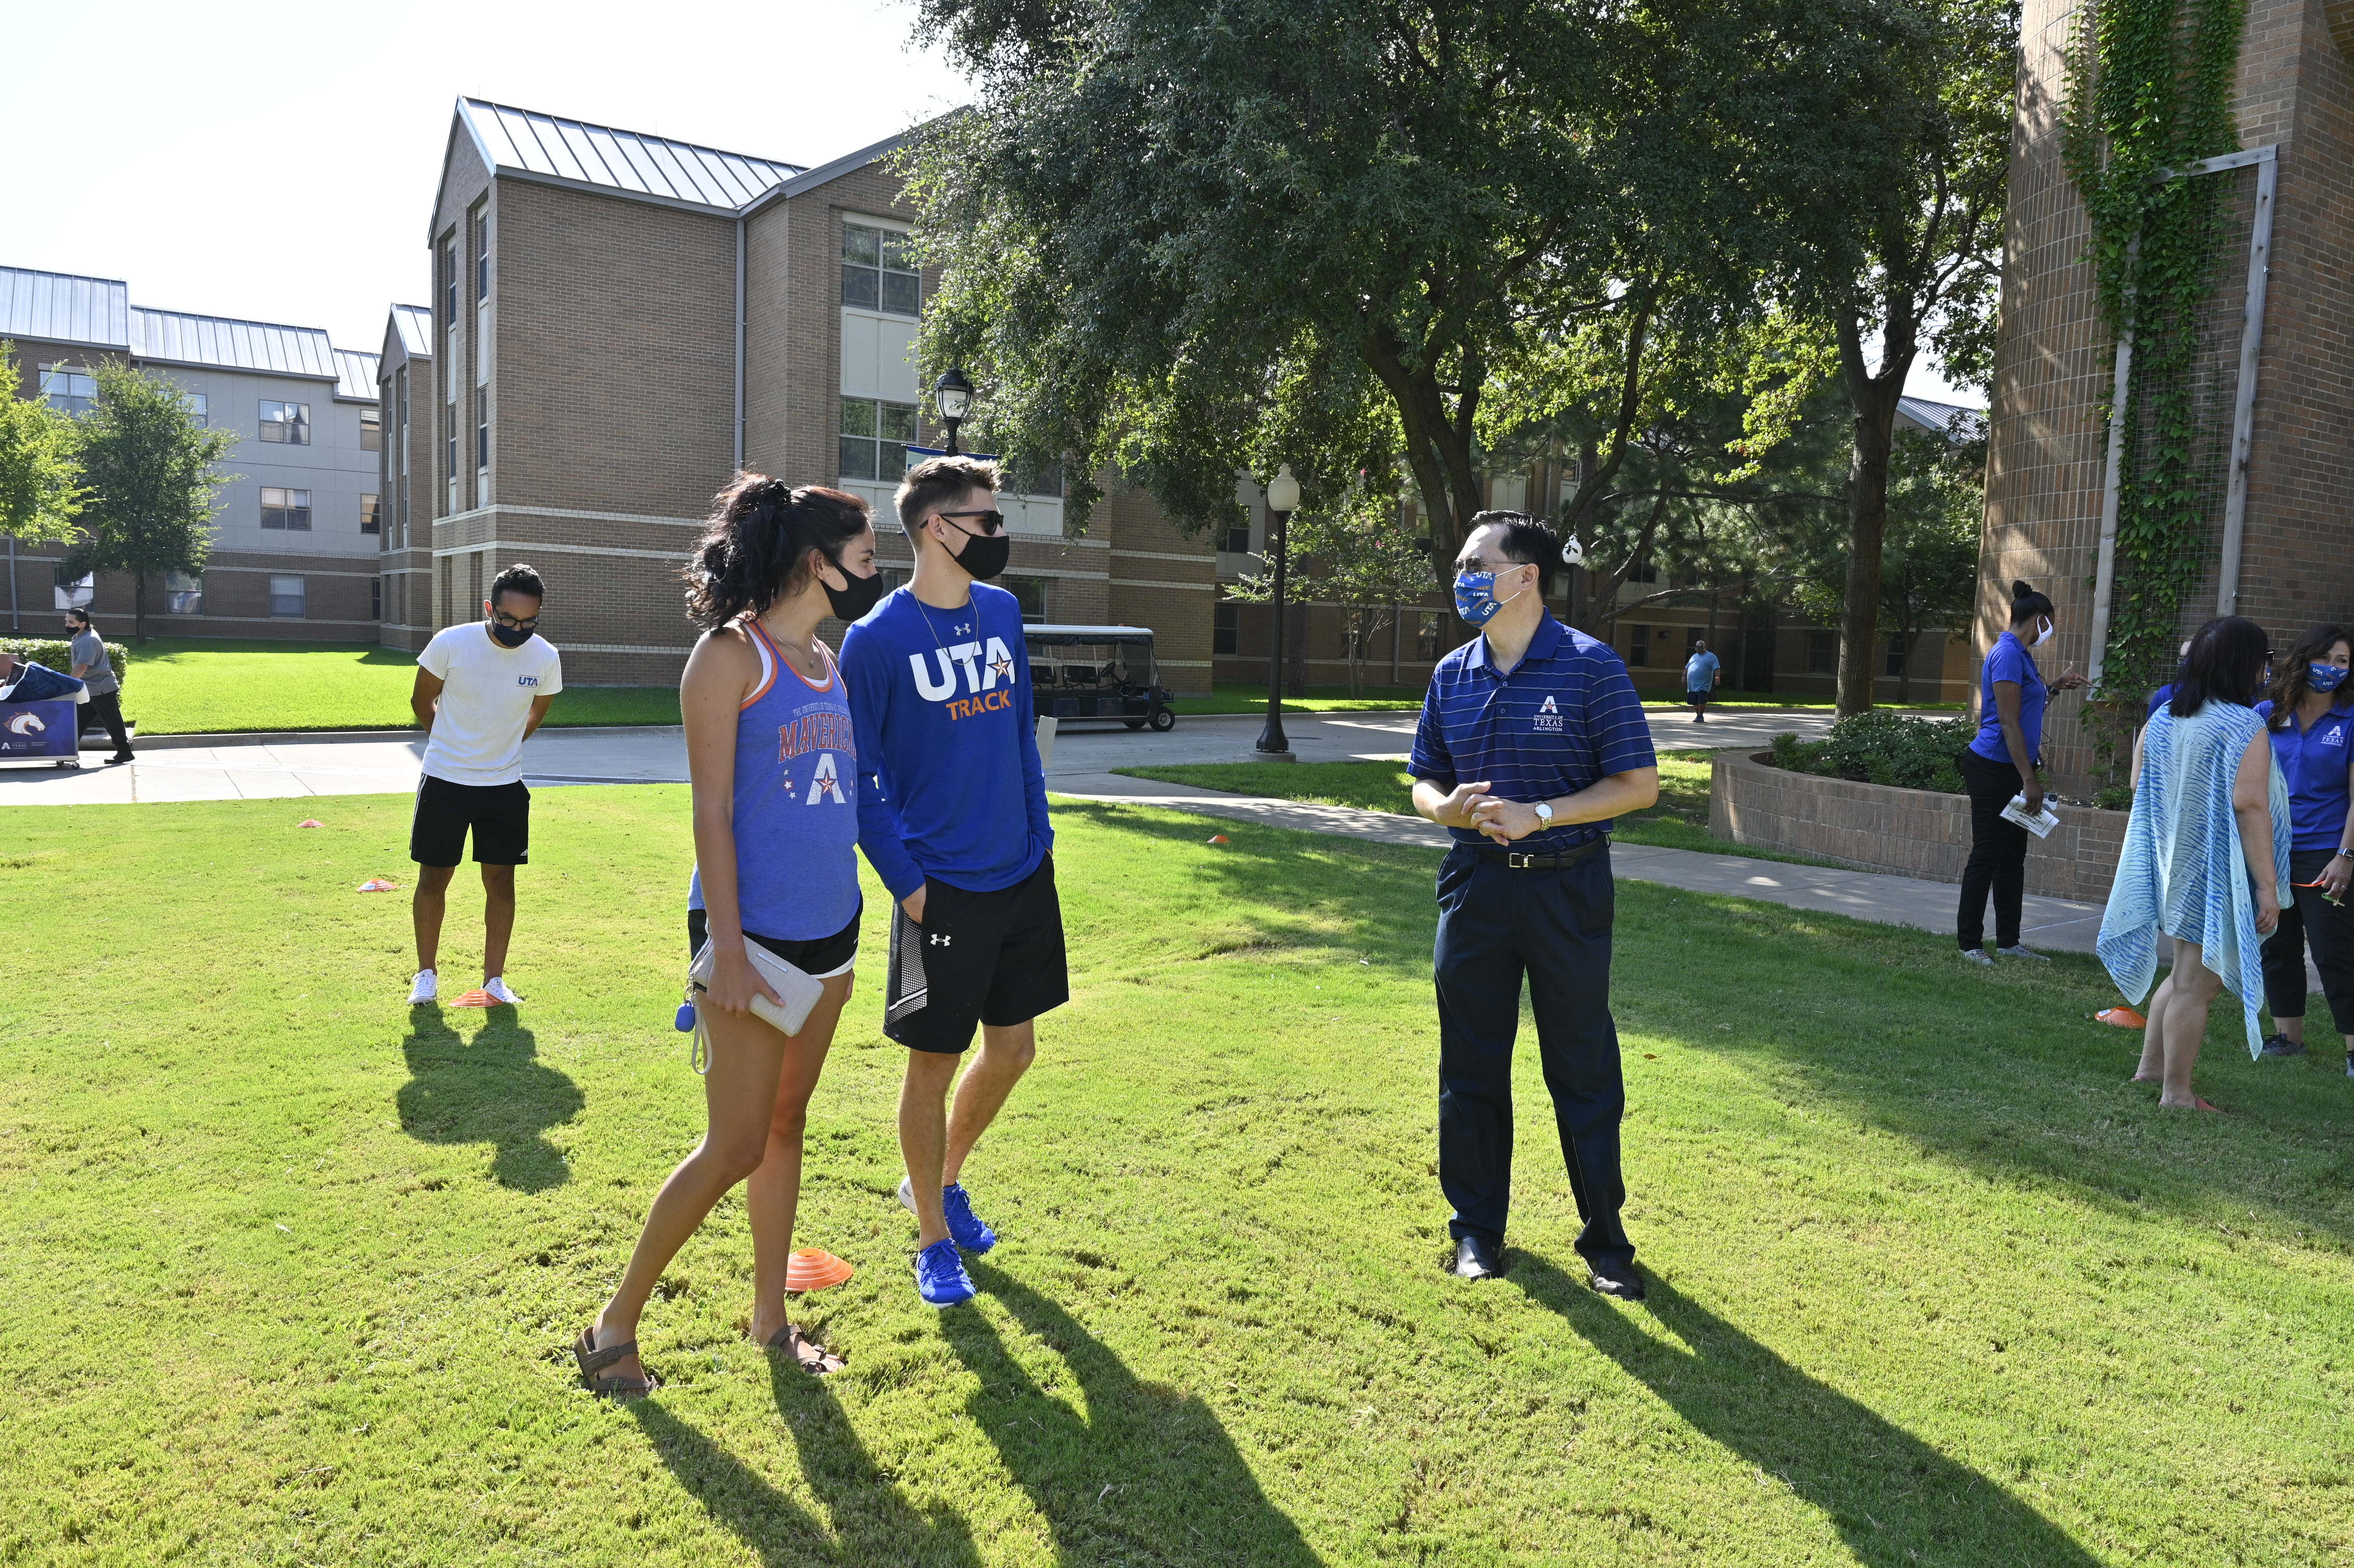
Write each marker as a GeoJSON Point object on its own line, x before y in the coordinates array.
{"type": "Point", "coordinates": [991, 522]}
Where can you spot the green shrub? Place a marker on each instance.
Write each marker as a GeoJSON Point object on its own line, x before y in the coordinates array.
{"type": "Point", "coordinates": [1884, 748]}
{"type": "Point", "coordinates": [58, 654]}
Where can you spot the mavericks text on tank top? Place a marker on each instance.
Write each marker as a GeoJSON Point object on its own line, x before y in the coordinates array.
{"type": "Point", "coordinates": [796, 810]}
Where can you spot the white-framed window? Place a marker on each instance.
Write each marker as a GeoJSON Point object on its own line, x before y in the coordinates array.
{"type": "Point", "coordinates": [1237, 541]}
{"type": "Point", "coordinates": [371, 429]}
{"type": "Point", "coordinates": [288, 424]}
{"type": "Point", "coordinates": [69, 390]}
{"type": "Point", "coordinates": [200, 407]}
{"type": "Point", "coordinates": [1638, 646]}
{"type": "Point", "coordinates": [371, 515]}
{"type": "Point", "coordinates": [1226, 627]}
{"type": "Point", "coordinates": [183, 593]}
{"type": "Point", "coordinates": [289, 509]}
{"type": "Point", "coordinates": [878, 270]}
{"type": "Point", "coordinates": [376, 598]}
{"type": "Point", "coordinates": [286, 597]}
{"type": "Point", "coordinates": [1031, 593]}
{"type": "Point", "coordinates": [874, 436]}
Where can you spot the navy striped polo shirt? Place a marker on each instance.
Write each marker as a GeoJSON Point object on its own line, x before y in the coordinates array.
{"type": "Point", "coordinates": [1564, 717]}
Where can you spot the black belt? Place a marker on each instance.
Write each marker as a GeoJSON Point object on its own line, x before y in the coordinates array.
{"type": "Point", "coordinates": [1561, 859]}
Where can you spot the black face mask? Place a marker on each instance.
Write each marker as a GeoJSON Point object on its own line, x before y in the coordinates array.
{"type": "Point", "coordinates": [852, 602]}
{"type": "Point", "coordinates": [985, 554]}
{"type": "Point", "coordinates": [510, 636]}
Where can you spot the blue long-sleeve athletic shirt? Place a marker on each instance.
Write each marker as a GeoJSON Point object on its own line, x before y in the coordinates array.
{"type": "Point", "coordinates": [947, 743]}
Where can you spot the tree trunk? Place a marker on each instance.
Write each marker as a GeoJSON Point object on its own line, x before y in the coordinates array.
{"type": "Point", "coordinates": [1874, 400]}
{"type": "Point", "coordinates": [139, 606]}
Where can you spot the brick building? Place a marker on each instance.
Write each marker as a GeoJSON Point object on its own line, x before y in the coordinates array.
{"type": "Point", "coordinates": [2046, 472]}
{"type": "Point", "coordinates": [295, 547]}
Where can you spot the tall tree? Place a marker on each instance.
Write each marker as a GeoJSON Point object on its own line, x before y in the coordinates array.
{"type": "Point", "coordinates": [1179, 239]}
{"type": "Point", "coordinates": [1355, 554]}
{"type": "Point", "coordinates": [40, 484]}
{"type": "Point", "coordinates": [154, 487]}
{"type": "Point", "coordinates": [1916, 265]}
{"type": "Point", "coordinates": [1929, 575]}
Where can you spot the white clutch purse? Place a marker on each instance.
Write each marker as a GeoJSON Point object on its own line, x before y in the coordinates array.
{"type": "Point", "coordinates": [798, 988]}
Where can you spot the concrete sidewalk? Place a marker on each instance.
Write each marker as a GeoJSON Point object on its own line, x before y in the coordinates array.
{"type": "Point", "coordinates": [2058, 924]}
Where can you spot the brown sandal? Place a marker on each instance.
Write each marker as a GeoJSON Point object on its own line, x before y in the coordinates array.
{"type": "Point", "coordinates": [808, 1354]}
{"type": "Point", "coordinates": [593, 1361]}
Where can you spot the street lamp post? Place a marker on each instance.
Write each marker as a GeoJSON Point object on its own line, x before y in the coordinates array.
{"type": "Point", "coordinates": [954, 396]}
{"type": "Point", "coordinates": [1282, 501]}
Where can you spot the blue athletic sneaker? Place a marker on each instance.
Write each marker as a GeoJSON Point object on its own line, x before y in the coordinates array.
{"type": "Point", "coordinates": [956, 1205]}
{"type": "Point", "coordinates": [940, 1279]}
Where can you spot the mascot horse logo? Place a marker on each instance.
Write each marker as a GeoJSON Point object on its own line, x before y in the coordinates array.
{"type": "Point", "coordinates": [26, 724]}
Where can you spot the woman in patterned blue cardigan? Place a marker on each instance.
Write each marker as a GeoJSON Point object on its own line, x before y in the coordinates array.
{"type": "Point", "coordinates": [2205, 857]}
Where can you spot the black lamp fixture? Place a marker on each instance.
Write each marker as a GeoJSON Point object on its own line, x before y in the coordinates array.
{"type": "Point", "coordinates": [952, 394]}
{"type": "Point", "coordinates": [1282, 501]}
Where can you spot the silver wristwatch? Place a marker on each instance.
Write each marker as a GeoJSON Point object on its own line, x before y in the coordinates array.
{"type": "Point", "coordinates": [1545, 813]}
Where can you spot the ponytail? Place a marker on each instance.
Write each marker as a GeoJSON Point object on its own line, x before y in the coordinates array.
{"type": "Point", "coordinates": [755, 548]}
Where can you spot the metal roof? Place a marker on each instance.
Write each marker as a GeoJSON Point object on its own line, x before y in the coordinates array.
{"type": "Point", "coordinates": [61, 308]}
{"type": "Point", "coordinates": [223, 344]}
{"type": "Point", "coordinates": [355, 374]}
{"type": "Point", "coordinates": [415, 325]}
{"type": "Point", "coordinates": [577, 152]}
{"type": "Point", "coordinates": [1951, 419]}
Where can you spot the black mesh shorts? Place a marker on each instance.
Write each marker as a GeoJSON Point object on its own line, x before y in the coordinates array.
{"type": "Point", "coordinates": [978, 957]}
{"type": "Point", "coordinates": [499, 816]}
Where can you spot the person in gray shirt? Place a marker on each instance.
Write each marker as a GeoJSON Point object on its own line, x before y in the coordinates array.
{"type": "Point", "coordinates": [91, 668]}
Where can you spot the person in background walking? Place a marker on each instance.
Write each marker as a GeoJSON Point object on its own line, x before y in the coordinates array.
{"type": "Point", "coordinates": [2205, 856]}
{"type": "Point", "coordinates": [1701, 672]}
{"type": "Point", "coordinates": [92, 670]}
{"type": "Point", "coordinates": [1999, 766]}
{"type": "Point", "coordinates": [2310, 718]}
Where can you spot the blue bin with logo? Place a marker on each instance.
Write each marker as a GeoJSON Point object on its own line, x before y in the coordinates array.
{"type": "Point", "coordinates": [47, 731]}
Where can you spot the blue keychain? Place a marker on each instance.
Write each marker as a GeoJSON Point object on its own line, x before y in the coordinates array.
{"type": "Point", "coordinates": [685, 1022]}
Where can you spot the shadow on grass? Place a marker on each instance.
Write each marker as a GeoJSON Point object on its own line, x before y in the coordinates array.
{"type": "Point", "coordinates": [1893, 1498]}
{"type": "Point", "coordinates": [490, 1089]}
{"type": "Point", "coordinates": [1147, 1475]}
{"type": "Point", "coordinates": [866, 1519]}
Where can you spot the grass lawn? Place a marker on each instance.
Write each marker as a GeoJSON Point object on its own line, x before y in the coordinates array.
{"type": "Point", "coordinates": [180, 686]}
{"type": "Point", "coordinates": [1679, 820]}
{"type": "Point", "coordinates": [292, 1269]}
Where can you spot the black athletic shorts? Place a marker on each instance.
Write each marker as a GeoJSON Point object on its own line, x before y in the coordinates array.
{"type": "Point", "coordinates": [500, 815]}
{"type": "Point", "coordinates": [822, 957]}
{"type": "Point", "coordinates": [978, 957]}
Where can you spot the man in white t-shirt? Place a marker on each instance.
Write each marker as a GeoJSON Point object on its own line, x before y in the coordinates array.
{"type": "Point", "coordinates": [481, 688]}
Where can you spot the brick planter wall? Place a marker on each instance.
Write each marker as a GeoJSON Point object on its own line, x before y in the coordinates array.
{"type": "Point", "coordinates": [1914, 833]}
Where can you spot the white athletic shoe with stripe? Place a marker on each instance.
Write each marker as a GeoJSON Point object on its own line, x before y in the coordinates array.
{"type": "Point", "coordinates": [424, 989]}
{"type": "Point", "coordinates": [496, 986]}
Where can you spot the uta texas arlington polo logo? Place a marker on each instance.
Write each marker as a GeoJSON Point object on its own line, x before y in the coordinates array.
{"type": "Point", "coordinates": [1548, 719]}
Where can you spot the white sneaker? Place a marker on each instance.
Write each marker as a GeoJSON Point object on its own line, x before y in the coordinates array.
{"type": "Point", "coordinates": [424, 989]}
{"type": "Point", "coordinates": [496, 989]}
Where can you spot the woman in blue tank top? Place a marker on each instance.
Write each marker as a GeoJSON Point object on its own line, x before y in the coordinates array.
{"type": "Point", "coordinates": [775, 774]}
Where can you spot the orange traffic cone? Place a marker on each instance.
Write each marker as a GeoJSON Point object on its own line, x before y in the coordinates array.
{"type": "Point", "coordinates": [2123, 1017]}
{"type": "Point", "coordinates": [477, 997]}
{"type": "Point", "coordinates": [814, 1268]}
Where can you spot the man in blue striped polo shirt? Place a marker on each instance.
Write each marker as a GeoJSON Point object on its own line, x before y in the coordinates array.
{"type": "Point", "coordinates": [1530, 741]}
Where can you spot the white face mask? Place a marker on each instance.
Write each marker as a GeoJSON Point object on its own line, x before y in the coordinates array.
{"type": "Point", "coordinates": [2042, 635]}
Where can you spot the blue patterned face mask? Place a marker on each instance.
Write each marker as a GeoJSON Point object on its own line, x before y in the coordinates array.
{"type": "Point", "coordinates": [2325, 677]}
{"type": "Point", "coordinates": [1475, 598]}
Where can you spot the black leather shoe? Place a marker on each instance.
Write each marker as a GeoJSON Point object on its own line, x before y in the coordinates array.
{"type": "Point", "coordinates": [1478, 1259]}
{"type": "Point", "coordinates": [1623, 1281]}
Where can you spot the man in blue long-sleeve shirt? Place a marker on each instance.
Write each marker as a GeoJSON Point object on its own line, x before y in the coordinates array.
{"type": "Point", "coordinates": [953, 819]}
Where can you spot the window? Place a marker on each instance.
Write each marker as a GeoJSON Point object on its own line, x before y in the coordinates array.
{"type": "Point", "coordinates": [288, 424]}
{"type": "Point", "coordinates": [286, 597]}
{"type": "Point", "coordinates": [371, 517]}
{"type": "Point", "coordinates": [1426, 636]}
{"type": "Point", "coordinates": [1226, 627]}
{"type": "Point", "coordinates": [452, 443]}
{"type": "Point", "coordinates": [1895, 663]}
{"type": "Point", "coordinates": [1638, 646]}
{"type": "Point", "coordinates": [183, 593]}
{"type": "Point", "coordinates": [286, 509]}
{"type": "Point", "coordinates": [1643, 571]}
{"type": "Point", "coordinates": [1047, 480]}
{"type": "Point", "coordinates": [878, 270]}
{"type": "Point", "coordinates": [874, 436]}
{"type": "Point", "coordinates": [68, 390]}
{"type": "Point", "coordinates": [200, 408]}
{"type": "Point", "coordinates": [482, 254]}
{"type": "Point", "coordinates": [1031, 592]}
{"type": "Point", "coordinates": [450, 283]}
{"type": "Point", "coordinates": [481, 430]}
{"type": "Point", "coordinates": [1237, 541]}
{"type": "Point", "coordinates": [371, 429]}
{"type": "Point", "coordinates": [376, 598]}
{"type": "Point", "coordinates": [1822, 652]}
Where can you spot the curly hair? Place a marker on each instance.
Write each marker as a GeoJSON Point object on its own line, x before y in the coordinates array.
{"type": "Point", "coordinates": [754, 549]}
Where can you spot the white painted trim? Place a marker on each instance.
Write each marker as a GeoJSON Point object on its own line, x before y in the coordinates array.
{"type": "Point", "coordinates": [489, 546]}
{"type": "Point", "coordinates": [498, 506]}
{"type": "Point", "coordinates": [168, 619]}
{"type": "Point", "coordinates": [1207, 559]}
{"type": "Point", "coordinates": [1151, 582]}
{"type": "Point", "coordinates": [618, 647]}
{"type": "Point", "coordinates": [869, 220]}
{"type": "Point", "coordinates": [284, 572]}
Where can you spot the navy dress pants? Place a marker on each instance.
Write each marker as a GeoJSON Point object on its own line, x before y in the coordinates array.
{"type": "Point", "coordinates": [1496, 927]}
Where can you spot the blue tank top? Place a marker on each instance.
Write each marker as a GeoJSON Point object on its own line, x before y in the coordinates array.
{"type": "Point", "coordinates": [796, 813]}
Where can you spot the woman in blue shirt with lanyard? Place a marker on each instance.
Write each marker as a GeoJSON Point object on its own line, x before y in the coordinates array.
{"type": "Point", "coordinates": [1999, 766]}
{"type": "Point", "coordinates": [2310, 718]}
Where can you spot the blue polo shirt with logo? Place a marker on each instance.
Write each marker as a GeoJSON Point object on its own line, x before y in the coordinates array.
{"type": "Point", "coordinates": [2313, 765]}
{"type": "Point", "coordinates": [1564, 718]}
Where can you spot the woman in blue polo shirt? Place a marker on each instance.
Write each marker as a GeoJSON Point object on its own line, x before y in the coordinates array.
{"type": "Point", "coordinates": [2310, 717]}
{"type": "Point", "coordinates": [1998, 765]}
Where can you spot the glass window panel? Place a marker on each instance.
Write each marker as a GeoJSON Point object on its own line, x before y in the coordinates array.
{"type": "Point", "coordinates": [890, 460]}
{"type": "Point", "coordinates": [858, 288]}
{"type": "Point", "coordinates": [370, 517]}
{"type": "Point", "coordinates": [286, 596]}
{"type": "Point", "coordinates": [899, 422]}
{"type": "Point", "coordinates": [898, 250]}
{"type": "Point", "coordinates": [371, 430]}
{"type": "Point", "coordinates": [900, 293]}
{"type": "Point", "coordinates": [300, 434]}
{"type": "Point", "coordinates": [857, 458]}
{"type": "Point", "coordinates": [857, 417]}
{"type": "Point", "coordinates": [861, 244]}
{"type": "Point", "coordinates": [200, 408]}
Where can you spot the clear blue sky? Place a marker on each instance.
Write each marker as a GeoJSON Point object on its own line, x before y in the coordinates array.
{"type": "Point", "coordinates": [281, 165]}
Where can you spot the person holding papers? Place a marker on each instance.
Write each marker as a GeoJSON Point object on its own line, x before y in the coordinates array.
{"type": "Point", "coordinates": [1999, 766]}
{"type": "Point", "coordinates": [774, 768]}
